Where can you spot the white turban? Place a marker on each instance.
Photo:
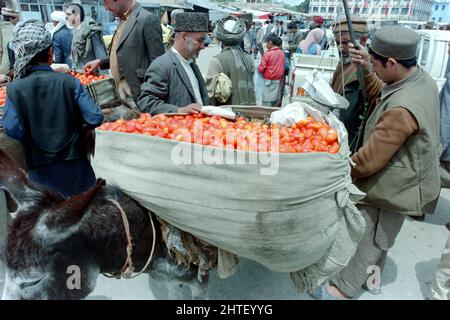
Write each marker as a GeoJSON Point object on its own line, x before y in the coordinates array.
{"type": "Point", "coordinates": [58, 16]}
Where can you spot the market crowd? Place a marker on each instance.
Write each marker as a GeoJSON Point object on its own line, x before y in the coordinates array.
{"type": "Point", "coordinates": [399, 137]}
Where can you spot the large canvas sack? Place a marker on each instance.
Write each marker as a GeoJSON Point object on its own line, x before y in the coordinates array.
{"type": "Point", "coordinates": [300, 219]}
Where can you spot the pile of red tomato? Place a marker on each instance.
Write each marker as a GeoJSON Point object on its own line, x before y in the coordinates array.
{"type": "Point", "coordinates": [2, 95]}
{"type": "Point", "coordinates": [87, 78]}
{"type": "Point", "coordinates": [305, 136]}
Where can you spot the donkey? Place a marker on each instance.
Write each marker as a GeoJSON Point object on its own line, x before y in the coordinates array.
{"type": "Point", "coordinates": [50, 237]}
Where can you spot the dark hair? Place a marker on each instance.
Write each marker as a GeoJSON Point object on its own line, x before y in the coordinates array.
{"type": "Point", "coordinates": [81, 11]}
{"type": "Point", "coordinates": [8, 18]}
{"type": "Point", "coordinates": [40, 57]}
{"type": "Point", "coordinates": [292, 25]}
{"type": "Point", "coordinates": [407, 63]}
{"type": "Point", "coordinates": [274, 39]}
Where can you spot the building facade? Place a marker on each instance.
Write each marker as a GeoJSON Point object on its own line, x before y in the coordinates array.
{"type": "Point", "coordinates": [41, 9]}
{"type": "Point", "coordinates": [375, 10]}
{"type": "Point", "coordinates": [440, 11]}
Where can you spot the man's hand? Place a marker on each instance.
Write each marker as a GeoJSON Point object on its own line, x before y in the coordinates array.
{"type": "Point", "coordinates": [191, 108]}
{"type": "Point", "coordinates": [359, 55]}
{"type": "Point", "coordinates": [4, 78]}
{"type": "Point", "coordinates": [91, 66]}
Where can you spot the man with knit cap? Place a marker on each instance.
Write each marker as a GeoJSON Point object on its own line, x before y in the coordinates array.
{"type": "Point", "coordinates": [46, 111]}
{"type": "Point", "coordinates": [173, 83]}
{"type": "Point", "coordinates": [398, 164]}
{"type": "Point", "coordinates": [345, 80]}
{"type": "Point", "coordinates": [236, 64]}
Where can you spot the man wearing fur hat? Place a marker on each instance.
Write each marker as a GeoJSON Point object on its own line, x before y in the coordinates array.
{"type": "Point", "coordinates": [398, 164]}
{"type": "Point", "coordinates": [345, 80]}
{"type": "Point", "coordinates": [173, 83]}
{"type": "Point", "coordinates": [236, 64]}
{"type": "Point", "coordinates": [10, 19]}
{"type": "Point", "coordinates": [46, 111]}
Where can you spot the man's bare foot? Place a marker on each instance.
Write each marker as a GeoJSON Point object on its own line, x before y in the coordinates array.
{"type": "Point", "coordinates": [335, 292]}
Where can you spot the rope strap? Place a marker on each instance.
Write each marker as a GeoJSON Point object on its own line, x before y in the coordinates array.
{"type": "Point", "coordinates": [127, 271]}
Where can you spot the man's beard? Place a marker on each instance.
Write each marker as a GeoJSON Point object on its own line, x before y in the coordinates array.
{"type": "Point", "coordinates": [345, 57]}
{"type": "Point", "coordinates": [190, 48]}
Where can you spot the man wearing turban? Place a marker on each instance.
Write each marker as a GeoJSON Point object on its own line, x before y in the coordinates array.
{"type": "Point", "coordinates": [236, 64]}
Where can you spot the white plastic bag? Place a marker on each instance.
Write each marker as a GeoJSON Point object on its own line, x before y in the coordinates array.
{"type": "Point", "coordinates": [320, 90]}
{"type": "Point", "coordinates": [226, 113]}
{"type": "Point", "coordinates": [290, 114]}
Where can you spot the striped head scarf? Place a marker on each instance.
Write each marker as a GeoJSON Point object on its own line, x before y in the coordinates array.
{"type": "Point", "coordinates": [29, 38]}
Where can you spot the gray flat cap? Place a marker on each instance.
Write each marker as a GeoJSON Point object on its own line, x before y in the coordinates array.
{"type": "Point", "coordinates": [395, 42]}
{"type": "Point", "coordinates": [191, 22]}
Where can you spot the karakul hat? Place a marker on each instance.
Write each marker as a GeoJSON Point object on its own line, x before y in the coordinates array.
{"type": "Point", "coordinates": [191, 22]}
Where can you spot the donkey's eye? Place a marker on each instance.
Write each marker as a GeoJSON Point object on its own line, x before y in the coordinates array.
{"type": "Point", "coordinates": [24, 285]}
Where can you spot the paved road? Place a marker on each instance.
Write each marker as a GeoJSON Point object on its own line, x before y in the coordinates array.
{"type": "Point", "coordinates": [409, 270]}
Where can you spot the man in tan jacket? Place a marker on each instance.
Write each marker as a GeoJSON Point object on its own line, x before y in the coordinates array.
{"type": "Point", "coordinates": [397, 165]}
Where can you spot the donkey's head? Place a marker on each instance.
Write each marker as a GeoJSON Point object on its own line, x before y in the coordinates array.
{"type": "Point", "coordinates": [45, 255]}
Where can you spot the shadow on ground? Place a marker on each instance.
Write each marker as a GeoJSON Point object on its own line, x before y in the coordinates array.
{"type": "Point", "coordinates": [425, 272]}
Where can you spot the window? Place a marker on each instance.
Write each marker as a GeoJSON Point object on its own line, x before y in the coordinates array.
{"type": "Point", "coordinates": [24, 7]}
{"type": "Point", "coordinates": [34, 7]}
{"type": "Point", "coordinates": [405, 10]}
{"type": "Point", "coordinates": [315, 9]}
{"type": "Point", "coordinates": [365, 10]}
{"type": "Point", "coordinates": [339, 10]}
{"type": "Point", "coordinates": [331, 9]}
{"type": "Point", "coordinates": [395, 10]}
{"type": "Point", "coordinates": [323, 9]}
{"type": "Point", "coordinates": [443, 8]}
{"type": "Point", "coordinates": [425, 51]}
{"type": "Point", "coordinates": [436, 8]}
{"type": "Point", "coordinates": [440, 19]}
{"type": "Point", "coordinates": [384, 10]}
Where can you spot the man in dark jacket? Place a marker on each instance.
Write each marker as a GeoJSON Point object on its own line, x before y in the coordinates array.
{"type": "Point", "coordinates": [46, 111]}
{"type": "Point", "coordinates": [173, 83]}
{"type": "Point", "coordinates": [62, 38]}
{"type": "Point", "coordinates": [138, 36]}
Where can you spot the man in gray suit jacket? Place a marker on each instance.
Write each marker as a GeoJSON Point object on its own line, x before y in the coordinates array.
{"type": "Point", "coordinates": [135, 44]}
{"type": "Point", "coordinates": [173, 83]}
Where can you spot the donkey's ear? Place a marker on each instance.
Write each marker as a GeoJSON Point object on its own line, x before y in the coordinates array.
{"type": "Point", "coordinates": [63, 220]}
{"type": "Point", "coordinates": [21, 193]}
{"type": "Point", "coordinates": [10, 173]}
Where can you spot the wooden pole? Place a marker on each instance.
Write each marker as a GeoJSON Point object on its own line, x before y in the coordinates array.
{"type": "Point", "coordinates": [360, 74]}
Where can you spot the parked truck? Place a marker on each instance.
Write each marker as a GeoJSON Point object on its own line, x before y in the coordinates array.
{"type": "Point", "coordinates": [431, 56]}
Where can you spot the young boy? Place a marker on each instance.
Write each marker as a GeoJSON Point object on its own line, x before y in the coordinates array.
{"type": "Point", "coordinates": [272, 69]}
{"type": "Point", "coordinates": [46, 111]}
